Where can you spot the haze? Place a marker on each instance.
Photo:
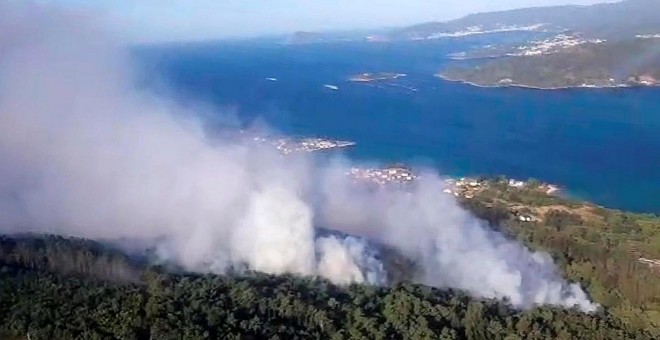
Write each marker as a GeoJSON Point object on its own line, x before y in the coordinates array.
{"type": "Point", "coordinates": [177, 20]}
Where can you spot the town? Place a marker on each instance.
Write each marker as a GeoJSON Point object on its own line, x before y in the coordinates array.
{"type": "Point", "coordinates": [383, 176]}
{"type": "Point", "coordinates": [552, 45]}
{"type": "Point", "coordinates": [477, 30]}
{"type": "Point", "coordinates": [470, 187]}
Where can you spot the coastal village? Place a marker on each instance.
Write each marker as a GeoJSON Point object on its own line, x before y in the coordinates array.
{"type": "Point", "coordinates": [552, 45]}
{"type": "Point", "coordinates": [480, 30]}
{"type": "Point", "coordinates": [383, 176]}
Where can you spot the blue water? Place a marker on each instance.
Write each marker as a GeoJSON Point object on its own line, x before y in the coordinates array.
{"type": "Point", "coordinates": [602, 145]}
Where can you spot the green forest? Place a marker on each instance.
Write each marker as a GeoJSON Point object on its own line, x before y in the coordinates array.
{"type": "Point", "coordinates": [598, 247]}
{"type": "Point", "coordinates": [54, 287]}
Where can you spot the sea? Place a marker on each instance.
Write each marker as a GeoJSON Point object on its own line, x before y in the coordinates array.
{"type": "Point", "coordinates": [601, 145]}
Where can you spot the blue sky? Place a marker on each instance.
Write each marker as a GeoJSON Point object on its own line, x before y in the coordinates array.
{"type": "Point", "coordinates": [168, 20]}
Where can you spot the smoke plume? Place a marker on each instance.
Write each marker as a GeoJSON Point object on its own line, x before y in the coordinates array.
{"type": "Point", "coordinates": [84, 152]}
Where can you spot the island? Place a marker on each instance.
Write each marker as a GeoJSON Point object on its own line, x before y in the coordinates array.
{"type": "Point", "coordinates": [289, 145]}
{"type": "Point", "coordinates": [371, 77]}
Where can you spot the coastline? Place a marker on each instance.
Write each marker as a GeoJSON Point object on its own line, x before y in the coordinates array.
{"type": "Point", "coordinates": [368, 77]}
{"type": "Point", "coordinates": [529, 87]}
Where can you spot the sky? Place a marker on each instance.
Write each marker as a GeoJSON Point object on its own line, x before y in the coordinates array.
{"type": "Point", "coordinates": [180, 20]}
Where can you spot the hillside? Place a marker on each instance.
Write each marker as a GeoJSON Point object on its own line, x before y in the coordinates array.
{"type": "Point", "coordinates": [42, 304]}
{"type": "Point", "coordinates": [633, 62]}
{"type": "Point", "coordinates": [64, 288]}
{"type": "Point", "coordinates": [602, 248]}
{"type": "Point", "coordinates": [605, 45]}
{"type": "Point", "coordinates": [612, 21]}
{"type": "Point", "coordinates": [620, 20]}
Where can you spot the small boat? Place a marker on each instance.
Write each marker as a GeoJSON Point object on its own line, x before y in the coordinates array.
{"type": "Point", "coordinates": [271, 79]}
{"type": "Point", "coordinates": [332, 87]}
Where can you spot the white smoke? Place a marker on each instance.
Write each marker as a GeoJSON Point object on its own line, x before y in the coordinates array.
{"type": "Point", "coordinates": [349, 260]}
{"type": "Point", "coordinates": [84, 153]}
{"type": "Point", "coordinates": [455, 249]}
{"type": "Point", "coordinates": [276, 235]}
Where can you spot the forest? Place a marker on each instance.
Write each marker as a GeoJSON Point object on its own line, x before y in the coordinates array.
{"type": "Point", "coordinates": [58, 288]}
{"type": "Point", "coordinates": [598, 247]}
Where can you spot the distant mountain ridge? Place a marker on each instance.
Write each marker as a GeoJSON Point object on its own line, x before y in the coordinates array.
{"type": "Point", "coordinates": [614, 44]}
{"type": "Point", "coordinates": [611, 20]}
{"type": "Point", "coordinates": [624, 52]}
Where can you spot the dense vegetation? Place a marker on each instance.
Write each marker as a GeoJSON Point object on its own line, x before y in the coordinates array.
{"type": "Point", "coordinates": [607, 64]}
{"type": "Point", "coordinates": [43, 304]}
{"type": "Point", "coordinates": [598, 247]}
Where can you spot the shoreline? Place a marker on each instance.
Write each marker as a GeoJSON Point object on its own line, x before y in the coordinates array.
{"type": "Point", "coordinates": [365, 77]}
{"type": "Point", "coordinates": [529, 87]}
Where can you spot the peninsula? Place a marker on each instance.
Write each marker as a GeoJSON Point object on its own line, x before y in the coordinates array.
{"type": "Point", "coordinates": [564, 63]}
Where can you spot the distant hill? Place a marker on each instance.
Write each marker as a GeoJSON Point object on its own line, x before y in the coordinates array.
{"type": "Point", "coordinates": [620, 20]}
{"type": "Point", "coordinates": [609, 20]}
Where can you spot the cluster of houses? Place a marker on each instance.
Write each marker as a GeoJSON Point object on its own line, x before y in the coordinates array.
{"type": "Point", "coordinates": [463, 187]}
{"type": "Point", "coordinates": [479, 30]}
{"type": "Point", "coordinates": [383, 176]}
{"type": "Point", "coordinates": [552, 45]}
{"type": "Point", "coordinates": [468, 187]}
{"type": "Point", "coordinates": [644, 80]}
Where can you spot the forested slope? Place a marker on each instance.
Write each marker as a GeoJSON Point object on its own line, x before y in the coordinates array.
{"type": "Point", "coordinates": [623, 63]}
{"type": "Point", "coordinates": [598, 247]}
{"type": "Point", "coordinates": [59, 288]}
